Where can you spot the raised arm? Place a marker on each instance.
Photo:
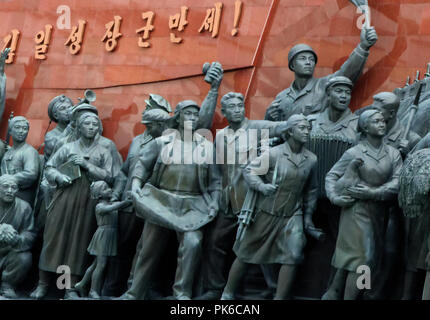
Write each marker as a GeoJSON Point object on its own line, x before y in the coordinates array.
{"type": "Point", "coordinates": [208, 107]}
{"type": "Point", "coordinates": [3, 57]}
{"type": "Point", "coordinates": [353, 67]}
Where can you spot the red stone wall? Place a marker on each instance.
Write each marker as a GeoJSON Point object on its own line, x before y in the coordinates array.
{"type": "Point", "coordinates": [255, 60]}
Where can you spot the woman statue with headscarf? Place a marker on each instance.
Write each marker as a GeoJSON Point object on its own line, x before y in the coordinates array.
{"type": "Point", "coordinates": [362, 183]}
{"type": "Point", "coordinates": [285, 179]}
{"type": "Point", "coordinates": [70, 220]}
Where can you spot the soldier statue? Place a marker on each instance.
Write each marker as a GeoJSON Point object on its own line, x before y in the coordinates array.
{"type": "Point", "coordinates": [307, 94]}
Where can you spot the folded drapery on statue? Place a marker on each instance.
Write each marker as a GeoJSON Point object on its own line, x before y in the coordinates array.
{"type": "Point", "coordinates": [172, 210]}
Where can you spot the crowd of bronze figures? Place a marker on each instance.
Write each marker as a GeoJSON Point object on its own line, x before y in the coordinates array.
{"type": "Point", "coordinates": [368, 171]}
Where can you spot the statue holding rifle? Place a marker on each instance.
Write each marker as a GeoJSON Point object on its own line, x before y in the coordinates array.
{"type": "Point", "coordinates": [287, 194]}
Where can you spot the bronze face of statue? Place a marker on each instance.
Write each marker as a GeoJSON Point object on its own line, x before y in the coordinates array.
{"type": "Point", "coordinates": [307, 94]}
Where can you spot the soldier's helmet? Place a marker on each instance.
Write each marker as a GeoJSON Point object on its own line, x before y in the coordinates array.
{"type": "Point", "coordinates": [299, 48]}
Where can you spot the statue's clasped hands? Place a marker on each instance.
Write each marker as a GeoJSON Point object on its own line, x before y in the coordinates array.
{"type": "Point", "coordinates": [79, 161]}
{"type": "Point", "coordinates": [8, 234]}
{"type": "Point", "coordinates": [268, 189]}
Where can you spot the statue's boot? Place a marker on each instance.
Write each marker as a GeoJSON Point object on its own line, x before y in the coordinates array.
{"type": "Point", "coordinates": [80, 287]}
{"type": "Point", "coordinates": [227, 296]}
{"type": "Point", "coordinates": [8, 291]}
{"type": "Point", "coordinates": [336, 289]}
{"type": "Point", "coordinates": [126, 296]}
{"type": "Point", "coordinates": [210, 295]}
{"type": "Point", "coordinates": [426, 290]}
{"type": "Point", "coordinates": [94, 295]}
{"type": "Point", "coordinates": [71, 294]}
{"type": "Point", "coordinates": [40, 291]}
{"type": "Point", "coordinates": [410, 285]}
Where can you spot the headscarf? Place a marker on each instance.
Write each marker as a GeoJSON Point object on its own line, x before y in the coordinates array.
{"type": "Point", "coordinates": [17, 119]}
{"type": "Point", "coordinates": [86, 115]}
{"type": "Point", "coordinates": [293, 121]}
{"type": "Point", "coordinates": [364, 118]}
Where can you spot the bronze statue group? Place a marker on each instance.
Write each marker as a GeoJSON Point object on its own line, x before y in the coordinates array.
{"type": "Point", "coordinates": [111, 222]}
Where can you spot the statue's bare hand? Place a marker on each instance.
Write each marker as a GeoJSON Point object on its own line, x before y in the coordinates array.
{"type": "Point", "coordinates": [274, 111]}
{"type": "Point", "coordinates": [368, 37]}
{"type": "Point", "coordinates": [79, 161]}
{"type": "Point", "coordinates": [403, 146]}
{"type": "Point", "coordinates": [361, 192]}
{"type": "Point", "coordinates": [216, 73]}
{"type": "Point", "coordinates": [268, 189]}
{"type": "Point", "coordinates": [63, 180]}
{"type": "Point", "coordinates": [343, 201]}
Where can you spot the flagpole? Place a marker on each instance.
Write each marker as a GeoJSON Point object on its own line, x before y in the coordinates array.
{"type": "Point", "coordinates": [367, 15]}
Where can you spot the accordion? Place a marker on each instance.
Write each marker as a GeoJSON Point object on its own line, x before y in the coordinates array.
{"type": "Point", "coordinates": [329, 149]}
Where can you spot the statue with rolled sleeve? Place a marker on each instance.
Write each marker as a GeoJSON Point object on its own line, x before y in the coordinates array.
{"type": "Point", "coordinates": [156, 118]}
{"type": "Point", "coordinates": [16, 237]}
{"type": "Point", "coordinates": [307, 94]}
{"type": "Point", "coordinates": [22, 160]}
{"type": "Point", "coordinates": [179, 194]}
